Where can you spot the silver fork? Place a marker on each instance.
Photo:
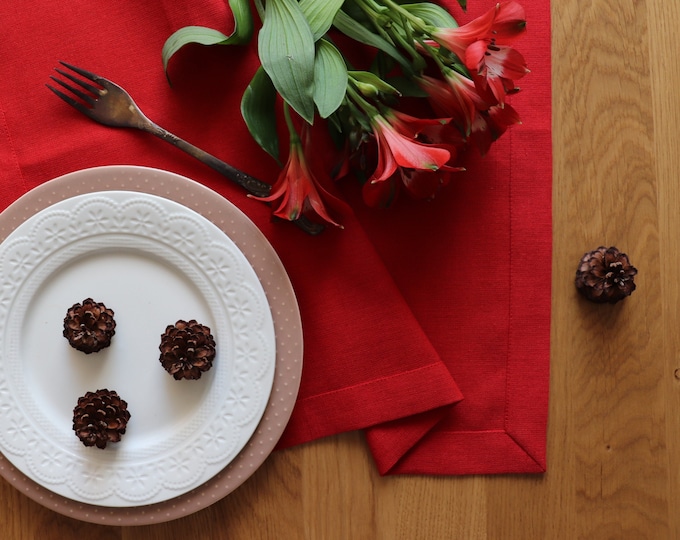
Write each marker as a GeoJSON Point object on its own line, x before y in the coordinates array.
{"type": "Point", "coordinates": [108, 104]}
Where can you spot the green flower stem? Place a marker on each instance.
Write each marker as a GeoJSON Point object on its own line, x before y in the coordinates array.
{"type": "Point", "coordinates": [418, 61]}
{"type": "Point", "coordinates": [395, 25]}
{"type": "Point", "coordinates": [373, 9]}
{"type": "Point", "coordinates": [436, 55]}
{"type": "Point", "coordinates": [292, 132]}
{"type": "Point", "coordinates": [362, 104]}
{"type": "Point", "coordinates": [417, 23]}
{"type": "Point", "coordinates": [359, 122]}
{"type": "Point", "coordinates": [375, 15]}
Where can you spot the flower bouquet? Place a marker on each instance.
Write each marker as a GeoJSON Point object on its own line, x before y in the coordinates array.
{"type": "Point", "coordinates": [422, 92]}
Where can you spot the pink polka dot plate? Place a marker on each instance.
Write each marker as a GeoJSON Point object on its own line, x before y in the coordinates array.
{"type": "Point", "coordinates": [154, 246]}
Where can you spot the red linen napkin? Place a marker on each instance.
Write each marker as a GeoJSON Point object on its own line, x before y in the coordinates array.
{"type": "Point", "coordinates": [475, 268]}
{"type": "Point", "coordinates": [405, 311]}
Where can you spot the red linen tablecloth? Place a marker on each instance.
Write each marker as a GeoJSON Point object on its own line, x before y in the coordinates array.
{"type": "Point", "coordinates": [426, 324]}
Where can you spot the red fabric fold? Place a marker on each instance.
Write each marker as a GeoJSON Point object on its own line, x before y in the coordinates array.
{"type": "Point", "coordinates": [405, 311]}
{"type": "Point", "coordinates": [484, 297]}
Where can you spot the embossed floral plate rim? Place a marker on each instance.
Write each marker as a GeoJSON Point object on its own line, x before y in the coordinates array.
{"type": "Point", "coordinates": [284, 310]}
{"type": "Point", "coordinates": [157, 262]}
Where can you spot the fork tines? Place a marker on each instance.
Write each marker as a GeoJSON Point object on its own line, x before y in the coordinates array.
{"type": "Point", "coordinates": [89, 99]}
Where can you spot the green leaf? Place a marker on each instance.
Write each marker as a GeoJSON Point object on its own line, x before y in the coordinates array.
{"type": "Point", "coordinates": [190, 34]}
{"type": "Point", "coordinates": [330, 78]}
{"type": "Point", "coordinates": [243, 22]}
{"type": "Point", "coordinates": [258, 108]}
{"type": "Point", "coordinates": [243, 31]}
{"type": "Point", "coordinates": [356, 31]}
{"type": "Point", "coordinates": [286, 49]}
{"type": "Point", "coordinates": [320, 14]}
{"type": "Point", "coordinates": [432, 14]}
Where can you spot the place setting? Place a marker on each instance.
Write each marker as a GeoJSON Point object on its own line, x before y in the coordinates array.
{"type": "Point", "coordinates": [195, 440]}
{"type": "Point", "coordinates": [332, 244]}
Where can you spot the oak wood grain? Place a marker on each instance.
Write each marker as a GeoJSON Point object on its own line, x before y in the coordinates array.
{"type": "Point", "coordinates": [614, 428]}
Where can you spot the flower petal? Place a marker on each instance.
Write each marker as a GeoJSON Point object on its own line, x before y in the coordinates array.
{"type": "Point", "coordinates": [507, 62]}
{"type": "Point", "coordinates": [495, 67]}
{"type": "Point", "coordinates": [458, 39]}
{"type": "Point", "coordinates": [295, 190]}
{"type": "Point", "coordinates": [510, 20]}
{"type": "Point", "coordinates": [411, 126]}
{"type": "Point", "coordinates": [386, 162]}
{"type": "Point", "coordinates": [414, 155]}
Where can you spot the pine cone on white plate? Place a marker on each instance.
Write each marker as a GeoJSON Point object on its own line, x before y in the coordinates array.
{"type": "Point", "coordinates": [100, 418]}
{"type": "Point", "coordinates": [89, 326]}
{"type": "Point", "coordinates": [187, 349]}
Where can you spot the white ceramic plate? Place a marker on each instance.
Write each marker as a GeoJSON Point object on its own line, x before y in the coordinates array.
{"type": "Point", "coordinates": [152, 261]}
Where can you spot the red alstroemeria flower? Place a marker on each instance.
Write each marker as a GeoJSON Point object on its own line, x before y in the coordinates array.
{"type": "Point", "coordinates": [504, 21]}
{"type": "Point", "coordinates": [418, 184]}
{"type": "Point", "coordinates": [490, 125]}
{"type": "Point", "coordinates": [458, 39]}
{"type": "Point", "coordinates": [395, 134]}
{"type": "Point", "coordinates": [445, 136]}
{"type": "Point", "coordinates": [412, 126]}
{"type": "Point", "coordinates": [297, 191]}
{"type": "Point", "coordinates": [455, 97]}
{"type": "Point", "coordinates": [412, 154]}
{"type": "Point", "coordinates": [510, 20]}
{"type": "Point", "coordinates": [426, 184]}
{"type": "Point", "coordinates": [493, 66]}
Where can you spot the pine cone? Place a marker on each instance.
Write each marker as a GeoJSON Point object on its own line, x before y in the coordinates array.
{"type": "Point", "coordinates": [100, 417]}
{"type": "Point", "coordinates": [187, 349]}
{"type": "Point", "coordinates": [605, 275]}
{"type": "Point", "coordinates": [89, 326]}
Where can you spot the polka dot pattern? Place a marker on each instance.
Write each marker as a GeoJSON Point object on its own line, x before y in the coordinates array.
{"type": "Point", "coordinates": [285, 314]}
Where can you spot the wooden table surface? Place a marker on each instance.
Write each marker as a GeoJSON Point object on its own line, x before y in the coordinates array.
{"type": "Point", "coordinates": [614, 426]}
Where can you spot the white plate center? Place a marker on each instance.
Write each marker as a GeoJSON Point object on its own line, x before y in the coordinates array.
{"type": "Point", "coordinates": [146, 295]}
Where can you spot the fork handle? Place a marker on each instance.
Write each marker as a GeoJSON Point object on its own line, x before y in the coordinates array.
{"type": "Point", "coordinates": [252, 185]}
